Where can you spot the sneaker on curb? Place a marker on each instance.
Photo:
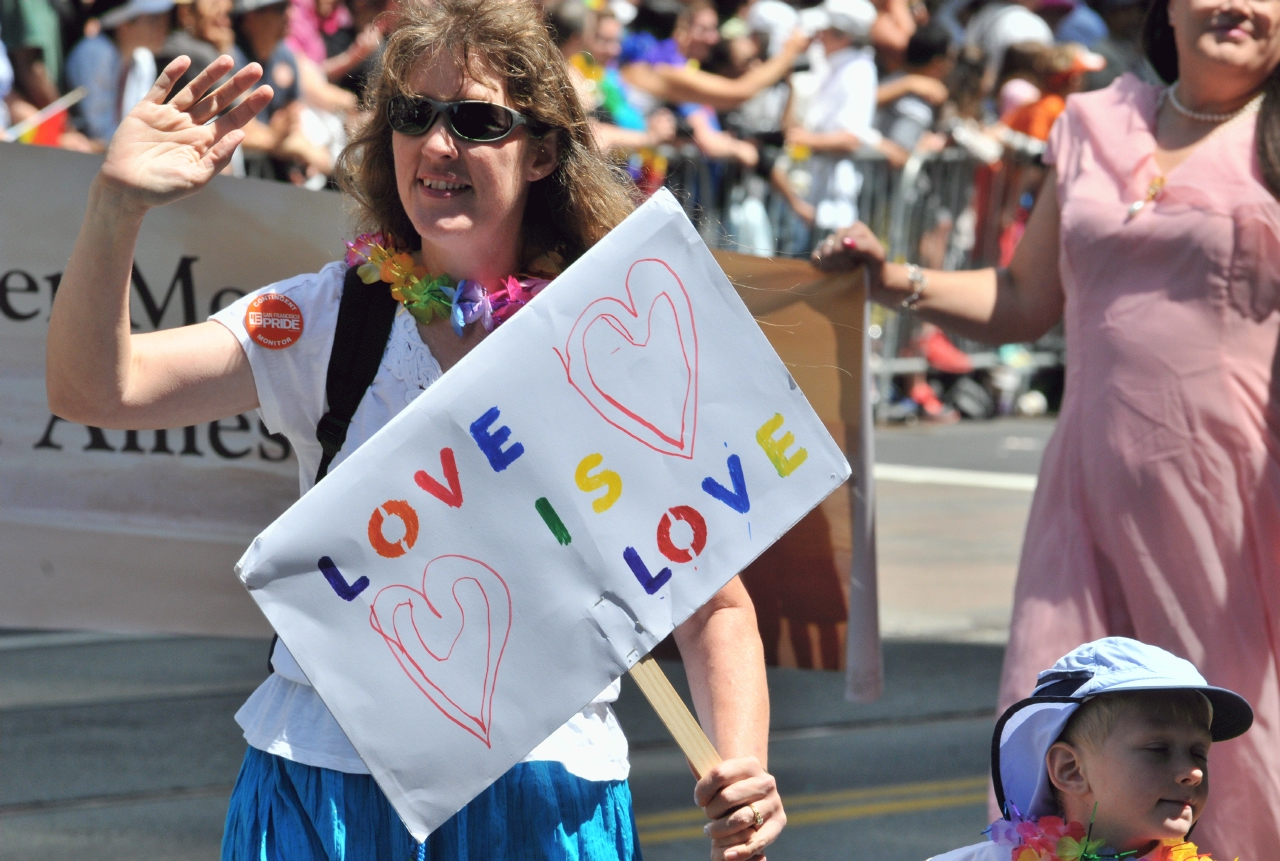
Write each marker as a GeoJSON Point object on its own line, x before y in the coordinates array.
{"type": "Point", "coordinates": [931, 408]}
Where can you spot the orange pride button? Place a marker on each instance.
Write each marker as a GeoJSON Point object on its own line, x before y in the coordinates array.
{"type": "Point", "coordinates": [273, 321]}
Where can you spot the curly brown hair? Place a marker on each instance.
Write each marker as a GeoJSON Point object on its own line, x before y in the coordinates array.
{"type": "Point", "coordinates": [569, 210]}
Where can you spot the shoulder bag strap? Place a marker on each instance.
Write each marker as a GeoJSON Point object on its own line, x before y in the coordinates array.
{"type": "Point", "coordinates": [364, 324]}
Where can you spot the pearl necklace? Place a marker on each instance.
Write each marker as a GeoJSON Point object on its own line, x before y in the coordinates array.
{"type": "Point", "coordinates": [1223, 120]}
{"type": "Point", "coordinates": [1250, 107]}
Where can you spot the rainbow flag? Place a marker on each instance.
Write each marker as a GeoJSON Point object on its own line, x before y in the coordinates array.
{"type": "Point", "coordinates": [45, 127]}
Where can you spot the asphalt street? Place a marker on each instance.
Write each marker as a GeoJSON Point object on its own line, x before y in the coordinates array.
{"type": "Point", "coordinates": [125, 748]}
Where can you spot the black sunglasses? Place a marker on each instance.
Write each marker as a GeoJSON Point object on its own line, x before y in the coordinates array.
{"type": "Point", "coordinates": [478, 122]}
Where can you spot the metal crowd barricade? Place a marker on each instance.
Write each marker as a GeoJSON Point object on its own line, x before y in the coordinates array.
{"type": "Point", "coordinates": [692, 179]}
{"type": "Point", "coordinates": [952, 212]}
{"type": "Point", "coordinates": [944, 210]}
{"type": "Point", "coordinates": [708, 190]}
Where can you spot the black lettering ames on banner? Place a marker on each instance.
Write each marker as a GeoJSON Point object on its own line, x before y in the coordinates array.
{"type": "Point", "coordinates": [226, 439]}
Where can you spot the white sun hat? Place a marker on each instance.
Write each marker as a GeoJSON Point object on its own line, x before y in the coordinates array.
{"type": "Point", "coordinates": [1027, 730]}
{"type": "Point", "coordinates": [851, 17]}
{"type": "Point", "coordinates": [776, 19]}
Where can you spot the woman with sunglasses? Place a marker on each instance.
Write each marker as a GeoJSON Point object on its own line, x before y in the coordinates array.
{"type": "Point", "coordinates": [477, 176]}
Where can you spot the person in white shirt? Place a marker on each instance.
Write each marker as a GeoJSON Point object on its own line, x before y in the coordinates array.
{"type": "Point", "coordinates": [839, 119]}
{"type": "Point", "coordinates": [118, 65]}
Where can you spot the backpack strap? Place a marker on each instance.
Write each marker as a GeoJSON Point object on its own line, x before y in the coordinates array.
{"type": "Point", "coordinates": [364, 324]}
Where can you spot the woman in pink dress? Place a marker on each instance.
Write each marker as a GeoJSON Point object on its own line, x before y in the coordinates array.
{"type": "Point", "coordinates": [1157, 516]}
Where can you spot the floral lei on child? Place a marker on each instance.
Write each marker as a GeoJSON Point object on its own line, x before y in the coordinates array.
{"type": "Point", "coordinates": [1049, 838]}
{"type": "Point", "coordinates": [430, 297]}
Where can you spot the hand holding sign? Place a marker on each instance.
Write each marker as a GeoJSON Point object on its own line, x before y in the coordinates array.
{"type": "Point", "coordinates": [533, 524]}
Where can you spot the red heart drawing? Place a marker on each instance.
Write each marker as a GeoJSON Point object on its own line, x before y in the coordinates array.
{"type": "Point", "coordinates": [640, 373]}
{"type": "Point", "coordinates": [452, 657]}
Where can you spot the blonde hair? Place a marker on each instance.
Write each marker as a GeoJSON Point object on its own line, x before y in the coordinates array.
{"type": "Point", "coordinates": [493, 40]}
{"type": "Point", "coordinates": [1097, 718]}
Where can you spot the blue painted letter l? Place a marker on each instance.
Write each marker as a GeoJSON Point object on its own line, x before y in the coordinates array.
{"type": "Point", "coordinates": [650, 583]}
{"type": "Point", "coordinates": [346, 591]}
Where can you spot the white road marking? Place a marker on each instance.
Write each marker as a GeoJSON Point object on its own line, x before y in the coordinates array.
{"type": "Point", "coordinates": [954, 477]}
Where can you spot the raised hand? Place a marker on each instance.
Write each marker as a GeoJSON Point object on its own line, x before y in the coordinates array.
{"type": "Point", "coordinates": [796, 43]}
{"type": "Point", "coordinates": [163, 152]}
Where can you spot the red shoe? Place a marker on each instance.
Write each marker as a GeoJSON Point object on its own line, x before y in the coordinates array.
{"type": "Point", "coordinates": [932, 409]}
{"type": "Point", "coordinates": [943, 355]}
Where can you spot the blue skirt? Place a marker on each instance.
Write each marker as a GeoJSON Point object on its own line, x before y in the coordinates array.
{"type": "Point", "coordinates": [285, 811]}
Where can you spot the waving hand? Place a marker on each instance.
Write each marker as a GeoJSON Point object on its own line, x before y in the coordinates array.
{"type": "Point", "coordinates": [163, 152]}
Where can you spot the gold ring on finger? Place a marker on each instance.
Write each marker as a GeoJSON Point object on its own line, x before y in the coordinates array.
{"type": "Point", "coordinates": [759, 817]}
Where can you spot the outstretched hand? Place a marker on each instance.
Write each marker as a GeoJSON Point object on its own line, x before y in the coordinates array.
{"type": "Point", "coordinates": [164, 152]}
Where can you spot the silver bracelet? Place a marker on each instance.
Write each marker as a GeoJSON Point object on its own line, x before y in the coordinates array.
{"type": "Point", "coordinates": [915, 277]}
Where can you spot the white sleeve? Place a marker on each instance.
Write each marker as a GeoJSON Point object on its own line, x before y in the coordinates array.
{"type": "Point", "coordinates": [290, 379]}
{"type": "Point", "coordinates": [858, 112]}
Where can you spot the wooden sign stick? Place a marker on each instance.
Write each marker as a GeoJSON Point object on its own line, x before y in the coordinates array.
{"type": "Point", "coordinates": [680, 722]}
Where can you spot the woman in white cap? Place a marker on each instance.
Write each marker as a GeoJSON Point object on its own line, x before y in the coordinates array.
{"type": "Point", "coordinates": [839, 119]}
{"type": "Point", "coordinates": [1156, 239]}
{"type": "Point", "coordinates": [477, 164]}
{"type": "Point", "coordinates": [118, 66]}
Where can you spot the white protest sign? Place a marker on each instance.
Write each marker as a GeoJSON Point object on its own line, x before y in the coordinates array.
{"type": "Point", "coordinates": [540, 518]}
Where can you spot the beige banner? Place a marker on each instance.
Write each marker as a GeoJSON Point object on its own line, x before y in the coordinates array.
{"type": "Point", "coordinates": [138, 531]}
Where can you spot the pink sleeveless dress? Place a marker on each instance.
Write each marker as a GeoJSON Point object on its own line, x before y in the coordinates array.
{"type": "Point", "coordinates": [1157, 514]}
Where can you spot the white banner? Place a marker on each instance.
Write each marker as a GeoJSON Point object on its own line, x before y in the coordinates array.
{"type": "Point", "coordinates": [138, 530]}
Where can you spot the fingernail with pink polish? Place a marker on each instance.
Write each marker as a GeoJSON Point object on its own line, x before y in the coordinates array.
{"type": "Point", "coordinates": [849, 242]}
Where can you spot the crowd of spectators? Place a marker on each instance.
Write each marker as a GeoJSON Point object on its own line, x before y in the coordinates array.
{"type": "Point", "coordinates": [783, 103]}
{"type": "Point", "coordinates": [789, 94]}
{"type": "Point", "coordinates": [107, 53]}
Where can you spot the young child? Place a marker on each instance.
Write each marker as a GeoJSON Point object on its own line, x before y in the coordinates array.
{"type": "Point", "coordinates": [1107, 759]}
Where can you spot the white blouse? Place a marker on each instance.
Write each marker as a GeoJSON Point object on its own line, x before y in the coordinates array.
{"type": "Point", "coordinates": [285, 716]}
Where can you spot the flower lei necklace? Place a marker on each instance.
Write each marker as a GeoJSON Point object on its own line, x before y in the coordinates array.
{"type": "Point", "coordinates": [1049, 838]}
{"type": "Point", "coordinates": [430, 297]}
